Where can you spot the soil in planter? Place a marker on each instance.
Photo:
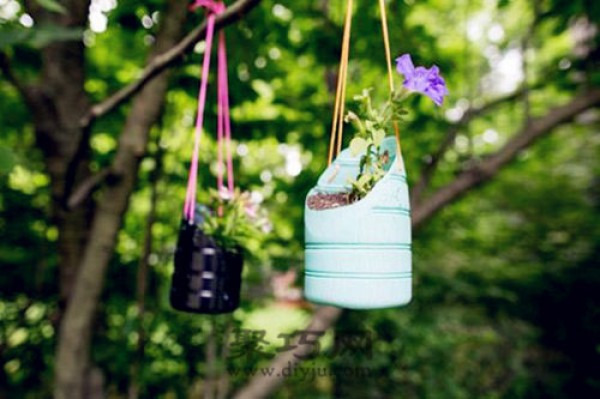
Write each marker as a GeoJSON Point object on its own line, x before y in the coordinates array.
{"type": "Point", "coordinates": [322, 201]}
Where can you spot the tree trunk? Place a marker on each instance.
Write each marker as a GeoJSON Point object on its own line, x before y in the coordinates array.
{"type": "Point", "coordinates": [57, 103]}
{"type": "Point", "coordinates": [73, 348]}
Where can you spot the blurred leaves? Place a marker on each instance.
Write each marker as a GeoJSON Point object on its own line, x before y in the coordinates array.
{"type": "Point", "coordinates": [7, 160]}
{"type": "Point", "coordinates": [52, 5]}
{"type": "Point", "coordinates": [505, 284]}
{"type": "Point", "coordinates": [38, 36]}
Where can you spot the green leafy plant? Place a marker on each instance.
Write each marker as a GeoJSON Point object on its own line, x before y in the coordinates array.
{"type": "Point", "coordinates": [372, 123]}
{"type": "Point", "coordinates": [371, 127]}
{"type": "Point", "coordinates": [234, 219]}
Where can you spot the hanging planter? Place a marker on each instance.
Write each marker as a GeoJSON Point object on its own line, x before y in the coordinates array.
{"type": "Point", "coordinates": [357, 217]}
{"type": "Point", "coordinates": [207, 277]}
{"type": "Point", "coordinates": [358, 255]}
{"type": "Point", "coordinates": [209, 254]}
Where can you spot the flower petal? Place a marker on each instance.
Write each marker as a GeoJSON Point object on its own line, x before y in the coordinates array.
{"type": "Point", "coordinates": [404, 65]}
{"type": "Point", "coordinates": [436, 96]}
{"type": "Point", "coordinates": [251, 210]}
{"type": "Point", "coordinates": [225, 194]}
{"type": "Point", "coordinates": [422, 80]}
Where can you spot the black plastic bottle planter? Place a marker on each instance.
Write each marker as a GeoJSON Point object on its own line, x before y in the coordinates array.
{"type": "Point", "coordinates": [207, 278]}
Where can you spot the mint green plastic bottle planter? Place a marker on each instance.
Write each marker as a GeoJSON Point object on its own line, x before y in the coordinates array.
{"type": "Point", "coordinates": [359, 256]}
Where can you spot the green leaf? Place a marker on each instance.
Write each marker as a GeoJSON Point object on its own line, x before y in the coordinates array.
{"type": "Point", "coordinates": [358, 145]}
{"type": "Point", "coordinates": [364, 179]}
{"type": "Point", "coordinates": [52, 5]}
{"type": "Point", "coordinates": [7, 160]}
{"type": "Point", "coordinates": [378, 137]}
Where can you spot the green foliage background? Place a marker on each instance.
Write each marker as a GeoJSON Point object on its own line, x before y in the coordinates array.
{"type": "Point", "coordinates": [506, 289]}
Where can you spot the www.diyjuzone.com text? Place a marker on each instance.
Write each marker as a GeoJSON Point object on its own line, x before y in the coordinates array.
{"type": "Point", "coordinates": [304, 373]}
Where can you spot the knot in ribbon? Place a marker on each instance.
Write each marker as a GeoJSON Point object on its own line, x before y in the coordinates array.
{"type": "Point", "coordinates": [212, 6]}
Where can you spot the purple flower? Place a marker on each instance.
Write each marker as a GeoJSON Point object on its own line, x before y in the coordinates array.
{"type": "Point", "coordinates": [421, 79]}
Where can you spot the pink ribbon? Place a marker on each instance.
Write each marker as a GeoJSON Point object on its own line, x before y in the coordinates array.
{"type": "Point", "coordinates": [212, 6]}
{"type": "Point", "coordinates": [223, 120]}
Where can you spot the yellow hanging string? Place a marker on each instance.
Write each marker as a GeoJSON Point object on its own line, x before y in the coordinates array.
{"type": "Point", "coordinates": [337, 125]}
{"type": "Point", "coordinates": [388, 59]}
{"type": "Point", "coordinates": [386, 43]}
{"type": "Point", "coordinates": [346, 54]}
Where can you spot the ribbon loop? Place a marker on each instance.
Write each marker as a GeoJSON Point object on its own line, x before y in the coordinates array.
{"type": "Point", "coordinates": [223, 120]}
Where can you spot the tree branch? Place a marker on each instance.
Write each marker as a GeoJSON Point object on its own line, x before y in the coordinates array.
{"type": "Point", "coordinates": [324, 318]}
{"type": "Point", "coordinates": [429, 169]}
{"type": "Point", "coordinates": [166, 59]}
{"type": "Point", "coordinates": [86, 188]}
{"type": "Point", "coordinates": [156, 65]}
{"type": "Point", "coordinates": [261, 387]}
{"type": "Point", "coordinates": [488, 168]}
